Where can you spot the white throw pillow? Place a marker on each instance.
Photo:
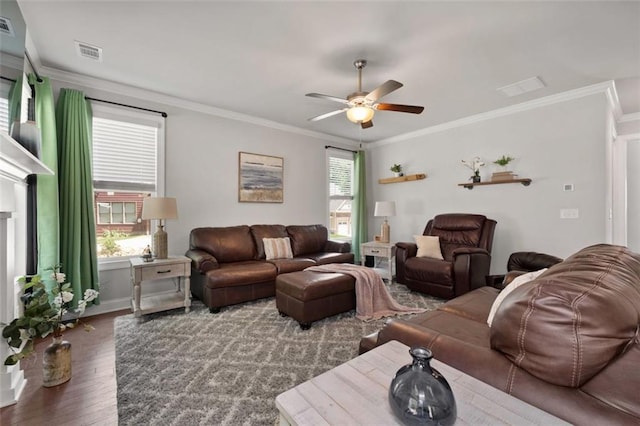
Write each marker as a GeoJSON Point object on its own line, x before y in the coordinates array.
{"type": "Point", "coordinates": [428, 246]}
{"type": "Point", "coordinates": [517, 282]}
{"type": "Point", "coordinates": [277, 248]}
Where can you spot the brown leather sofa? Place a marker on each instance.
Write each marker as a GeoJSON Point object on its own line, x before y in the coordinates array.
{"type": "Point", "coordinates": [567, 342]}
{"type": "Point", "coordinates": [465, 242]}
{"type": "Point", "coordinates": [229, 265]}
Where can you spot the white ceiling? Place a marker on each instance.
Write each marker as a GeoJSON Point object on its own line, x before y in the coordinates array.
{"type": "Point", "coordinates": [260, 58]}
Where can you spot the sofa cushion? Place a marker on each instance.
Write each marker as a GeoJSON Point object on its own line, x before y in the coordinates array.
{"type": "Point", "coordinates": [266, 231]}
{"type": "Point", "coordinates": [228, 244]}
{"type": "Point", "coordinates": [330, 257]}
{"type": "Point", "coordinates": [277, 248]}
{"type": "Point", "coordinates": [457, 231]}
{"type": "Point", "coordinates": [473, 305]}
{"type": "Point", "coordinates": [426, 269]}
{"type": "Point", "coordinates": [241, 273]}
{"type": "Point", "coordinates": [515, 283]}
{"type": "Point", "coordinates": [284, 266]}
{"type": "Point", "coordinates": [428, 246]}
{"type": "Point", "coordinates": [307, 239]}
{"type": "Point", "coordinates": [581, 314]}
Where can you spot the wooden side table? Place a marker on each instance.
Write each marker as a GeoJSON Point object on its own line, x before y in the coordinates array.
{"type": "Point", "coordinates": [177, 266]}
{"type": "Point", "coordinates": [382, 250]}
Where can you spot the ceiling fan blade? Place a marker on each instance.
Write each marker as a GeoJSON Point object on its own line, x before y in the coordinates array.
{"type": "Point", "coordinates": [327, 97]}
{"type": "Point", "coordinates": [382, 90]}
{"type": "Point", "coordinates": [367, 124]}
{"type": "Point", "coordinates": [328, 114]}
{"type": "Point", "coordinates": [413, 109]}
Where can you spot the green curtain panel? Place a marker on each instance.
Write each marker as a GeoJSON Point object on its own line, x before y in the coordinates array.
{"type": "Point", "coordinates": [359, 210]}
{"type": "Point", "coordinates": [77, 221]}
{"type": "Point", "coordinates": [47, 188]}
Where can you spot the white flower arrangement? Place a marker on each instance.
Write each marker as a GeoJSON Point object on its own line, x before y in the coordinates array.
{"type": "Point", "coordinates": [474, 165]}
{"type": "Point", "coordinates": [43, 314]}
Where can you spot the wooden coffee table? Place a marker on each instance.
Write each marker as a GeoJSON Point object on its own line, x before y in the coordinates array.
{"type": "Point", "coordinates": [356, 393]}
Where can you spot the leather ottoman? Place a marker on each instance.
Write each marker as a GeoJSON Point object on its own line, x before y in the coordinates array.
{"type": "Point", "coordinates": [308, 296]}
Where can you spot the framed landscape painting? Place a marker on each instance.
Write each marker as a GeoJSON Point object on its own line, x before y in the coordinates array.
{"type": "Point", "coordinates": [260, 178]}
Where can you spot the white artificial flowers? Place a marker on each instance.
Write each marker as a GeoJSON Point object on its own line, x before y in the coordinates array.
{"type": "Point", "coordinates": [474, 165]}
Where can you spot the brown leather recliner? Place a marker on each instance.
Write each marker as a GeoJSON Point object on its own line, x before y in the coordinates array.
{"type": "Point", "coordinates": [465, 241]}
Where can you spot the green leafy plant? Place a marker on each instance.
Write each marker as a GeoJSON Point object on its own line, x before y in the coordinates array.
{"type": "Point", "coordinates": [109, 242]}
{"type": "Point", "coordinates": [396, 168]}
{"type": "Point", "coordinates": [504, 160]}
{"type": "Point", "coordinates": [43, 314]}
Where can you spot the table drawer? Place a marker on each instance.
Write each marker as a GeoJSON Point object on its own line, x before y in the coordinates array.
{"type": "Point", "coordinates": [157, 272]}
{"type": "Point", "coordinates": [376, 251]}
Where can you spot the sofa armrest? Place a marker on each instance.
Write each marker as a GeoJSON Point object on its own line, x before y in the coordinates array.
{"type": "Point", "coordinates": [202, 261]}
{"type": "Point", "coordinates": [529, 261]}
{"type": "Point", "coordinates": [407, 332]}
{"type": "Point", "coordinates": [337, 247]}
{"type": "Point", "coordinates": [470, 268]}
{"type": "Point", "coordinates": [403, 252]}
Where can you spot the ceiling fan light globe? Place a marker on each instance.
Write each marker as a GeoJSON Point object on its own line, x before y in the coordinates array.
{"type": "Point", "coordinates": [360, 114]}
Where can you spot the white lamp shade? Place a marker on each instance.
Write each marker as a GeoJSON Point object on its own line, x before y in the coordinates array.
{"type": "Point", "coordinates": [385, 208]}
{"type": "Point", "coordinates": [159, 208]}
{"type": "Point", "coordinates": [360, 114]}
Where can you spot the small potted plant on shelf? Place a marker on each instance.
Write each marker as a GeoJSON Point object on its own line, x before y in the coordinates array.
{"type": "Point", "coordinates": [503, 161]}
{"type": "Point", "coordinates": [474, 165]}
{"type": "Point", "coordinates": [503, 174]}
{"type": "Point", "coordinates": [397, 170]}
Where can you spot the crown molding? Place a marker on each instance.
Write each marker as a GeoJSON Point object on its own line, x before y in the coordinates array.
{"type": "Point", "coordinates": [160, 98]}
{"type": "Point", "coordinates": [607, 87]}
{"type": "Point", "coordinates": [626, 118]}
{"type": "Point", "coordinates": [12, 61]}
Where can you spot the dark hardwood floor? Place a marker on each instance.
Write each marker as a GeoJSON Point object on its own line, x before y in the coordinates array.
{"type": "Point", "coordinates": [89, 398]}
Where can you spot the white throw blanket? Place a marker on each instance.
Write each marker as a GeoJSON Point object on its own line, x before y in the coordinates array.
{"type": "Point", "coordinates": [373, 300]}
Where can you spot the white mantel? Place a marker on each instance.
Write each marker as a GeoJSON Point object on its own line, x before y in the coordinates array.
{"type": "Point", "coordinates": [16, 163]}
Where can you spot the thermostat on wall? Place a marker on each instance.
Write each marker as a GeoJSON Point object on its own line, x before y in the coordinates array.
{"type": "Point", "coordinates": [567, 187]}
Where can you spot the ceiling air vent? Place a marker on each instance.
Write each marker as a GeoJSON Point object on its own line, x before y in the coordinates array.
{"type": "Point", "coordinates": [6, 27]}
{"type": "Point", "coordinates": [520, 87]}
{"type": "Point", "coordinates": [88, 51]}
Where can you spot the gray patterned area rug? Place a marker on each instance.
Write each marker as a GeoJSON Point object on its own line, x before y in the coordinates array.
{"type": "Point", "coordinates": [199, 368]}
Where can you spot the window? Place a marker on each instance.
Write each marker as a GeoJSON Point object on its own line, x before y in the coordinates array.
{"type": "Point", "coordinates": [4, 106]}
{"type": "Point", "coordinates": [127, 151]}
{"type": "Point", "coordinates": [117, 212]}
{"type": "Point", "coordinates": [340, 194]}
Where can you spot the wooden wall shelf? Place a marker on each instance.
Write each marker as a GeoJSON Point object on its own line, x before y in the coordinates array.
{"type": "Point", "coordinates": [470, 185]}
{"type": "Point", "coordinates": [418, 176]}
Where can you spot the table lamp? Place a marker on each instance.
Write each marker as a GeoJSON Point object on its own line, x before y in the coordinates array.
{"type": "Point", "coordinates": [160, 208]}
{"type": "Point", "coordinates": [385, 209]}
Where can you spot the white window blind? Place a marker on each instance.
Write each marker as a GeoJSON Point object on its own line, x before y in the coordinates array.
{"type": "Point", "coordinates": [340, 177]}
{"type": "Point", "coordinates": [4, 106]}
{"type": "Point", "coordinates": [124, 155]}
{"type": "Point", "coordinates": [4, 115]}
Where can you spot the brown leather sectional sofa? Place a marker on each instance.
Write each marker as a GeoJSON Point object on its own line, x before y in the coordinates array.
{"type": "Point", "coordinates": [567, 342]}
{"type": "Point", "coordinates": [229, 264]}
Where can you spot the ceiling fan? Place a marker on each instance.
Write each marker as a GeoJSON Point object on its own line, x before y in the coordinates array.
{"type": "Point", "coordinates": [360, 106]}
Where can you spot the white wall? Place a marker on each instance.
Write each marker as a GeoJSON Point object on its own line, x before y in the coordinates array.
{"type": "Point", "coordinates": [553, 145]}
{"type": "Point", "coordinates": [633, 194]}
{"type": "Point", "coordinates": [202, 173]}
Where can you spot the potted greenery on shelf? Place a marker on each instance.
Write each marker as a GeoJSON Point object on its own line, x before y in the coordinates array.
{"type": "Point", "coordinates": [397, 170]}
{"type": "Point", "coordinates": [503, 161]}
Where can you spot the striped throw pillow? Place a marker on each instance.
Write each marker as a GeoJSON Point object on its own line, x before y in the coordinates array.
{"type": "Point", "coordinates": [277, 248]}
